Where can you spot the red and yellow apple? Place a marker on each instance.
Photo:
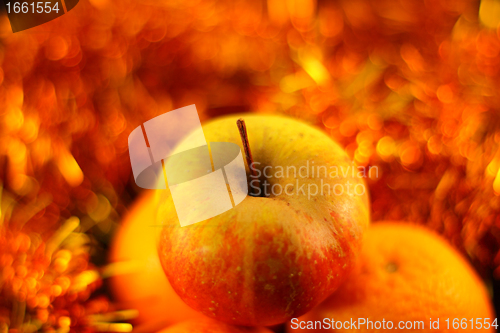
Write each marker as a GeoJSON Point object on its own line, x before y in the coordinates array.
{"type": "Point", "coordinates": [270, 258]}
{"type": "Point", "coordinates": [211, 326]}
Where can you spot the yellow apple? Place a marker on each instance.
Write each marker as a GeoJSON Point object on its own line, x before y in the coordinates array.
{"type": "Point", "coordinates": [141, 284]}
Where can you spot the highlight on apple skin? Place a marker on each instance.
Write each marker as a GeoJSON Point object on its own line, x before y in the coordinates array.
{"type": "Point", "coordinates": [270, 258]}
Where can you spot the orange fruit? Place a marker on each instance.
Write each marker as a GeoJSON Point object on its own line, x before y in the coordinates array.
{"type": "Point", "coordinates": [406, 274]}
{"type": "Point", "coordinates": [211, 326]}
{"type": "Point", "coordinates": [143, 284]}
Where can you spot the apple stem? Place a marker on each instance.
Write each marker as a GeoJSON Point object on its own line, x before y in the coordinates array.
{"type": "Point", "coordinates": [248, 156]}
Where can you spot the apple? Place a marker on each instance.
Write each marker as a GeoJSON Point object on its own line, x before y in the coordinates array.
{"type": "Point", "coordinates": [211, 326]}
{"type": "Point", "coordinates": [275, 257]}
{"type": "Point", "coordinates": [139, 282]}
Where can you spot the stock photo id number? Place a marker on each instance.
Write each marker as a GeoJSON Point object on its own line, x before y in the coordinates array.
{"type": "Point", "coordinates": [24, 15]}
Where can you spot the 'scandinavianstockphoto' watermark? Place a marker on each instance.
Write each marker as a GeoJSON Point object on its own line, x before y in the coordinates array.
{"type": "Point", "coordinates": [311, 179]}
{"type": "Point", "coordinates": [359, 324]}
{"type": "Point", "coordinates": [208, 179]}
{"type": "Point", "coordinates": [367, 324]}
{"type": "Point", "coordinates": [199, 189]}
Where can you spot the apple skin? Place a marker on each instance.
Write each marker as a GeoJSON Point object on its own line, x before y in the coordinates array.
{"type": "Point", "coordinates": [145, 288]}
{"type": "Point", "coordinates": [268, 259]}
{"type": "Point", "coordinates": [211, 326]}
